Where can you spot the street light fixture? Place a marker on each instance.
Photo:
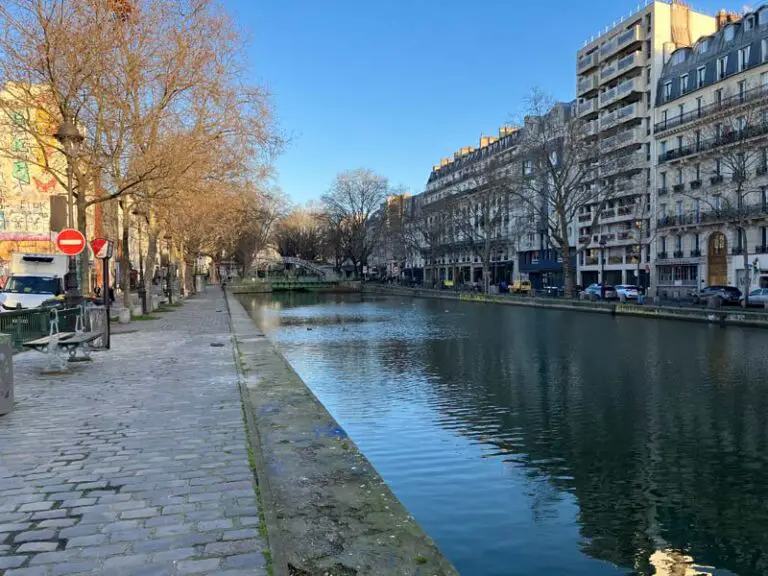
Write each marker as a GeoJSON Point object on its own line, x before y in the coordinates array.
{"type": "Point", "coordinates": [70, 138]}
{"type": "Point", "coordinates": [602, 267]}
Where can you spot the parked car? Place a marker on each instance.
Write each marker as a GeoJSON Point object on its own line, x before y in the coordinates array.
{"type": "Point", "coordinates": [727, 294]}
{"type": "Point", "coordinates": [609, 292]}
{"type": "Point", "coordinates": [629, 291]}
{"type": "Point", "coordinates": [521, 287]}
{"type": "Point", "coordinates": [758, 297]}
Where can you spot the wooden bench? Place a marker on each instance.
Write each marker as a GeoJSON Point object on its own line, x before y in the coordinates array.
{"type": "Point", "coordinates": [69, 341]}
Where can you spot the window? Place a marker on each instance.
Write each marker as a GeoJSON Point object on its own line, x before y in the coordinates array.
{"type": "Point", "coordinates": [718, 166]}
{"type": "Point", "coordinates": [663, 243]}
{"type": "Point", "coordinates": [664, 117]}
{"type": "Point", "coordinates": [762, 17]}
{"type": "Point", "coordinates": [697, 208]}
{"type": "Point", "coordinates": [680, 143]}
{"type": "Point", "coordinates": [696, 242]}
{"type": "Point", "coordinates": [683, 83]}
{"type": "Point", "coordinates": [663, 179]}
{"type": "Point", "coordinates": [697, 171]}
{"type": "Point", "coordinates": [663, 147]}
{"type": "Point", "coordinates": [681, 110]}
{"type": "Point", "coordinates": [702, 46]}
{"type": "Point", "coordinates": [699, 105]}
{"type": "Point", "coordinates": [679, 208]}
{"type": "Point", "coordinates": [679, 240]}
{"type": "Point", "coordinates": [741, 124]}
{"type": "Point", "coordinates": [667, 90]}
{"type": "Point", "coordinates": [718, 130]}
{"type": "Point", "coordinates": [697, 139]}
{"type": "Point", "coordinates": [764, 80]}
{"type": "Point", "coordinates": [744, 58]}
{"type": "Point", "coordinates": [718, 201]}
{"type": "Point", "coordinates": [701, 74]}
{"type": "Point", "coordinates": [742, 90]}
{"type": "Point", "coordinates": [679, 175]}
{"type": "Point", "coordinates": [722, 67]}
{"type": "Point", "coordinates": [528, 167]}
{"type": "Point", "coordinates": [729, 33]}
{"type": "Point", "coordinates": [749, 23]}
{"type": "Point", "coordinates": [719, 96]}
{"type": "Point", "coordinates": [763, 236]}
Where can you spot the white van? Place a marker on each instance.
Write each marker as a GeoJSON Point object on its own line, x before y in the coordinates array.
{"type": "Point", "coordinates": [34, 279]}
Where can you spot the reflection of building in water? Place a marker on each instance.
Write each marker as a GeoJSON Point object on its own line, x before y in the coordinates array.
{"type": "Point", "coordinates": [674, 563]}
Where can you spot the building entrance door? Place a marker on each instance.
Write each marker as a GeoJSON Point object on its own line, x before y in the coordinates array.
{"type": "Point", "coordinates": [717, 262]}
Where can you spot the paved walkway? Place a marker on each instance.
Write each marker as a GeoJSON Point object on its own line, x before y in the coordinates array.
{"type": "Point", "coordinates": [134, 464]}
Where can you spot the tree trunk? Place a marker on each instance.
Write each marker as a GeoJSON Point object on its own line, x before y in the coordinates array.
{"type": "Point", "coordinates": [125, 258]}
{"type": "Point", "coordinates": [747, 275]}
{"type": "Point", "coordinates": [565, 254]}
{"type": "Point", "coordinates": [149, 261]}
{"type": "Point", "coordinates": [486, 279]}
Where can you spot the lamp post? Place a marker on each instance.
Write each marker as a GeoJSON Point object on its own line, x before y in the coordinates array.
{"type": "Point", "coordinates": [602, 267]}
{"type": "Point", "coordinates": [168, 272]}
{"type": "Point", "coordinates": [70, 138]}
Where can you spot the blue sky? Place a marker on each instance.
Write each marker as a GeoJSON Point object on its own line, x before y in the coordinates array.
{"type": "Point", "coordinates": [394, 85]}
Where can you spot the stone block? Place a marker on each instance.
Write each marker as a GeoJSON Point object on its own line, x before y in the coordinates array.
{"type": "Point", "coordinates": [6, 375]}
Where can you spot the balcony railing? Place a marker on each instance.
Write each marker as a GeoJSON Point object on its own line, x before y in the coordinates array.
{"type": "Point", "coordinates": [587, 107]}
{"type": "Point", "coordinates": [695, 184]}
{"type": "Point", "coordinates": [663, 191]}
{"type": "Point", "coordinates": [587, 83]}
{"type": "Point", "coordinates": [620, 115]}
{"type": "Point", "coordinates": [678, 187]}
{"type": "Point", "coordinates": [661, 255]}
{"type": "Point", "coordinates": [585, 217]}
{"type": "Point", "coordinates": [737, 251]}
{"type": "Point", "coordinates": [627, 235]}
{"type": "Point", "coordinates": [626, 210]}
{"type": "Point", "coordinates": [587, 62]}
{"type": "Point", "coordinates": [761, 249]}
{"type": "Point", "coordinates": [615, 260]}
{"type": "Point", "coordinates": [761, 171]}
{"type": "Point", "coordinates": [608, 214]}
{"type": "Point", "coordinates": [696, 253]}
{"type": "Point", "coordinates": [622, 163]}
{"type": "Point", "coordinates": [607, 96]}
{"type": "Point", "coordinates": [712, 216]}
{"type": "Point", "coordinates": [626, 138]}
{"type": "Point", "coordinates": [724, 104]}
{"type": "Point", "coordinates": [678, 254]}
{"type": "Point", "coordinates": [716, 179]}
{"type": "Point", "coordinates": [725, 139]}
{"type": "Point", "coordinates": [608, 71]}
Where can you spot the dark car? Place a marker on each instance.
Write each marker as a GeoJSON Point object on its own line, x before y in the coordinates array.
{"type": "Point", "coordinates": [726, 294]}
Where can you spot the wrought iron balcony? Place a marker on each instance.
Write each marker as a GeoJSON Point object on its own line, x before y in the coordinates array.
{"type": "Point", "coordinates": [716, 179]}
{"type": "Point", "coordinates": [737, 251]}
{"type": "Point", "coordinates": [678, 187]}
{"type": "Point", "coordinates": [661, 255]}
{"type": "Point", "coordinates": [729, 102]}
{"type": "Point", "coordinates": [695, 184]}
{"type": "Point", "coordinates": [663, 191]}
{"type": "Point", "coordinates": [761, 249]}
{"type": "Point", "coordinates": [730, 137]}
{"type": "Point", "coordinates": [696, 253]}
{"type": "Point", "coordinates": [678, 254]}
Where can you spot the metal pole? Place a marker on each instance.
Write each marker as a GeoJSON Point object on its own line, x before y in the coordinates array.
{"type": "Point", "coordinates": [70, 281]}
{"type": "Point", "coordinates": [168, 274]}
{"type": "Point", "coordinates": [602, 272]}
{"type": "Point", "coordinates": [105, 274]}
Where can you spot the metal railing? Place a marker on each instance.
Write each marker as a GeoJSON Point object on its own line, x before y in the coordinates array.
{"type": "Point", "coordinates": [715, 142]}
{"type": "Point", "coordinates": [724, 104]}
{"type": "Point", "coordinates": [26, 325]}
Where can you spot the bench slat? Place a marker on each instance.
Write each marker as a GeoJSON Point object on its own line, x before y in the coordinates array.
{"type": "Point", "coordinates": [82, 338]}
{"type": "Point", "coordinates": [45, 340]}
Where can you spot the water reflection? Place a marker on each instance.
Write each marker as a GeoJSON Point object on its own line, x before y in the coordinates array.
{"type": "Point", "coordinates": [532, 442]}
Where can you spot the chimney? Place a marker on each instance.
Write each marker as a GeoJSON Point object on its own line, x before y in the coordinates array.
{"type": "Point", "coordinates": [445, 161]}
{"type": "Point", "coordinates": [484, 141]}
{"type": "Point", "coordinates": [723, 18]}
{"type": "Point", "coordinates": [436, 167]}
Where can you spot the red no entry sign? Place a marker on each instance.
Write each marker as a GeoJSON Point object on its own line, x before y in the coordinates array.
{"type": "Point", "coordinates": [70, 242]}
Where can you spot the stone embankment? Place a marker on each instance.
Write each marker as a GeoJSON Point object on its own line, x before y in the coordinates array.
{"type": "Point", "coordinates": [725, 316]}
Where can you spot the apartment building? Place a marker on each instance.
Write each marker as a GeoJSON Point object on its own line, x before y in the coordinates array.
{"type": "Point", "coordinates": [617, 79]}
{"type": "Point", "coordinates": [711, 135]}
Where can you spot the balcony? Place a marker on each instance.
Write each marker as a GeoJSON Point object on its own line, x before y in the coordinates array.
{"type": "Point", "coordinates": [626, 235]}
{"type": "Point", "coordinates": [609, 71]}
{"type": "Point", "coordinates": [615, 260]}
{"type": "Point", "coordinates": [716, 179]}
{"type": "Point", "coordinates": [620, 115]}
{"type": "Point", "coordinates": [695, 253]}
{"type": "Point", "coordinates": [761, 249]}
{"type": "Point", "coordinates": [737, 251]}
{"type": "Point", "coordinates": [661, 255]}
{"type": "Point", "coordinates": [761, 171]}
{"type": "Point", "coordinates": [587, 62]}
{"type": "Point", "coordinates": [634, 34]}
{"type": "Point", "coordinates": [585, 218]}
{"type": "Point", "coordinates": [622, 66]}
{"type": "Point", "coordinates": [587, 107]}
{"type": "Point", "coordinates": [663, 191]}
{"type": "Point", "coordinates": [620, 164]}
{"type": "Point", "coordinates": [712, 216]}
{"type": "Point", "coordinates": [695, 184]}
{"type": "Point", "coordinates": [607, 97]}
{"type": "Point", "coordinates": [623, 90]}
{"type": "Point", "coordinates": [587, 84]}
{"type": "Point", "coordinates": [622, 139]}
{"type": "Point", "coordinates": [754, 94]}
{"type": "Point", "coordinates": [730, 137]}
{"type": "Point", "coordinates": [678, 187]}
{"type": "Point", "coordinates": [608, 214]}
{"type": "Point", "coordinates": [590, 128]}
{"type": "Point", "coordinates": [678, 254]}
{"type": "Point", "coordinates": [626, 210]}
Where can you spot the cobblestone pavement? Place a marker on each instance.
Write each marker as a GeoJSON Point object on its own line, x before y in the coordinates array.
{"type": "Point", "coordinates": [135, 463]}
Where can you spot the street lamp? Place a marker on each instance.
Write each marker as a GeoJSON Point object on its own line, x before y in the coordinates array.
{"type": "Point", "coordinates": [602, 267]}
{"type": "Point", "coordinates": [168, 271]}
{"type": "Point", "coordinates": [70, 138]}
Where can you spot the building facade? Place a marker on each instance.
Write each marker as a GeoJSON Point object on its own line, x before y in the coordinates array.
{"type": "Point", "coordinates": [617, 75]}
{"type": "Point", "coordinates": [711, 135]}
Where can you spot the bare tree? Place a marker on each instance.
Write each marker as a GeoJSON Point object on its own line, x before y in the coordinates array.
{"type": "Point", "coordinates": [732, 201]}
{"type": "Point", "coordinates": [480, 216]}
{"type": "Point", "coordinates": [351, 205]}
{"type": "Point", "coordinates": [299, 234]}
{"type": "Point", "coordinates": [424, 230]}
{"type": "Point", "coordinates": [559, 175]}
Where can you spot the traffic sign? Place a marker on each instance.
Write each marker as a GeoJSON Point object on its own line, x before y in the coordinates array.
{"type": "Point", "coordinates": [70, 242]}
{"type": "Point", "coordinates": [102, 247]}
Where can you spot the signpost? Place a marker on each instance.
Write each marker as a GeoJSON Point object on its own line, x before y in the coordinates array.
{"type": "Point", "coordinates": [70, 242]}
{"type": "Point", "coordinates": [102, 249]}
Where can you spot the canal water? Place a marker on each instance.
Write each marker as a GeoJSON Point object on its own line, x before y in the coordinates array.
{"type": "Point", "coordinates": [529, 441]}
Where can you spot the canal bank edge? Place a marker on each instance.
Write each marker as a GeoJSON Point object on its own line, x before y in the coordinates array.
{"type": "Point", "coordinates": [723, 317]}
{"type": "Point", "coordinates": [327, 511]}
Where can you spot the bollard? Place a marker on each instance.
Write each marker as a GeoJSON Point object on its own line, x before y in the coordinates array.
{"type": "Point", "coordinates": [124, 316]}
{"type": "Point", "coordinates": [714, 302]}
{"type": "Point", "coordinates": [136, 311]}
{"type": "Point", "coordinates": [6, 375]}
